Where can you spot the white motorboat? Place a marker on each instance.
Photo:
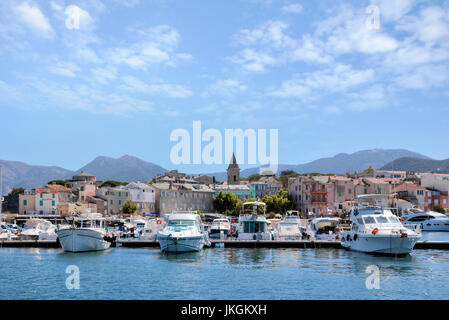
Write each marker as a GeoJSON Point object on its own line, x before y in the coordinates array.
{"type": "Point", "coordinates": [183, 232]}
{"type": "Point", "coordinates": [429, 221]}
{"type": "Point", "coordinates": [38, 229]}
{"type": "Point", "coordinates": [220, 227]}
{"type": "Point", "coordinates": [252, 224]}
{"type": "Point", "coordinates": [6, 233]}
{"type": "Point", "coordinates": [149, 229]}
{"type": "Point", "coordinates": [87, 234]}
{"type": "Point", "coordinates": [290, 228]}
{"type": "Point", "coordinates": [325, 228]}
{"type": "Point", "coordinates": [375, 229]}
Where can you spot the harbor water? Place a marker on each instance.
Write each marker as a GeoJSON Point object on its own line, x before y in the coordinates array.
{"type": "Point", "coordinates": [223, 273]}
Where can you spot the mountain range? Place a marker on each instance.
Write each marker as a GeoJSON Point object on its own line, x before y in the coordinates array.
{"type": "Point", "coordinates": [129, 168]}
{"type": "Point", "coordinates": [339, 164]}
{"type": "Point", "coordinates": [418, 165]}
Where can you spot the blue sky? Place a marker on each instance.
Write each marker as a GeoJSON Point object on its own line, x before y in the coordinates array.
{"type": "Point", "coordinates": [136, 70]}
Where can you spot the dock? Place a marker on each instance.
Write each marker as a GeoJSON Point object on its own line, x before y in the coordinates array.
{"type": "Point", "coordinates": [300, 244]}
{"type": "Point", "coordinates": [29, 244]}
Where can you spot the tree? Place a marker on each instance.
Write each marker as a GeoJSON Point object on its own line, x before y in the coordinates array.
{"type": "Point", "coordinates": [370, 170]}
{"type": "Point", "coordinates": [285, 175]}
{"type": "Point", "coordinates": [113, 184]}
{"type": "Point", "coordinates": [438, 208]}
{"type": "Point", "coordinates": [59, 182]}
{"type": "Point", "coordinates": [129, 207]}
{"type": "Point", "coordinates": [225, 202]}
{"type": "Point", "coordinates": [15, 192]}
{"type": "Point", "coordinates": [254, 177]}
{"type": "Point", "coordinates": [278, 203]}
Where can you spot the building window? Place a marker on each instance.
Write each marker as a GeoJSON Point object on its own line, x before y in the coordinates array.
{"type": "Point", "coordinates": [41, 203]}
{"type": "Point", "coordinates": [24, 202]}
{"type": "Point", "coordinates": [53, 203]}
{"type": "Point", "coordinates": [112, 202]}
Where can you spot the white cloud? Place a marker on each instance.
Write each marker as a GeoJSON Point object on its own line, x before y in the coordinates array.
{"type": "Point", "coordinates": [252, 60]}
{"type": "Point", "coordinates": [431, 26]}
{"type": "Point", "coordinates": [227, 87]}
{"type": "Point", "coordinates": [66, 69]}
{"type": "Point", "coordinates": [292, 8]}
{"type": "Point", "coordinates": [104, 75]}
{"type": "Point", "coordinates": [34, 19]}
{"type": "Point", "coordinates": [424, 77]}
{"type": "Point", "coordinates": [393, 10]}
{"type": "Point", "coordinates": [346, 32]}
{"type": "Point", "coordinates": [155, 46]}
{"type": "Point", "coordinates": [133, 84]}
{"type": "Point", "coordinates": [332, 80]}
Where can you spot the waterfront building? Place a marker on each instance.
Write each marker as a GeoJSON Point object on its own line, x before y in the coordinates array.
{"type": "Point", "coordinates": [143, 195]}
{"type": "Point", "coordinates": [115, 198]}
{"type": "Point", "coordinates": [390, 174]}
{"type": "Point", "coordinates": [183, 196]}
{"type": "Point", "coordinates": [372, 186]}
{"type": "Point", "coordinates": [435, 181]}
{"type": "Point", "coordinates": [204, 179]}
{"type": "Point", "coordinates": [27, 202]}
{"type": "Point", "coordinates": [414, 194]}
{"type": "Point", "coordinates": [46, 200]}
{"type": "Point", "coordinates": [242, 191]}
{"type": "Point", "coordinates": [267, 185]}
{"type": "Point", "coordinates": [309, 194]}
{"type": "Point", "coordinates": [172, 176]}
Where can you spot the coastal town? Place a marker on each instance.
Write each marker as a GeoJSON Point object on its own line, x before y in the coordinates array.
{"type": "Point", "coordinates": [312, 194]}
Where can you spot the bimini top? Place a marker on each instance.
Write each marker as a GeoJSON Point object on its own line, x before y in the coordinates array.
{"type": "Point", "coordinates": [183, 216]}
{"type": "Point", "coordinates": [257, 203]}
{"type": "Point", "coordinates": [373, 196]}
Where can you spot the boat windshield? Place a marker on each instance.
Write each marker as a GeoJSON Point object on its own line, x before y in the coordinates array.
{"type": "Point", "coordinates": [394, 219]}
{"type": "Point", "coordinates": [254, 226]}
{"type": "Point", "coordinates": [181, 222]}
{"type": "Point", "coordinates": [382, 219]}
{"type": "Point", "coordinates": [369, 220]}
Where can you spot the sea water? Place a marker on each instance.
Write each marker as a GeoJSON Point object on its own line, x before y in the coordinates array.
{"type": "Point", "coordinates": [223, 273]}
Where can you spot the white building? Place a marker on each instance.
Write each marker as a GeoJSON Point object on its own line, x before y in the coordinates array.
{"type": "Point", "coordinates": [435, 181]}
{"type": "Point", "coordinates": [143, 195]}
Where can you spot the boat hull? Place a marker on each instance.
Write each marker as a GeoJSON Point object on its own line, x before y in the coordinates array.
{"type": "Point", "coordinates": [439, 227]}
{"type": "Point", "coordinates": [216, 233]}
{"type": "Point", "coordinates": [82, 240]}
{"type": "Point", "coordinates": [178, 244]}
{"type": "Point", "coordinates": [382, 244]}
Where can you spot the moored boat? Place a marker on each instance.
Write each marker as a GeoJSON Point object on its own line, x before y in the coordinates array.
{"type": "Point", "coordinates": [38, 229]}
{"type": "Point", "coordinates": [375, 229]}
{"type": "Point", "coordinates": [429, 221]}
{"type": "Point", "coordinates": [252, 224]}
{"type": "Point", "coordinates": [325, 228]}
{"type": "Point", "coordinates": [289, 228]}
{"type": "Point", "coordinates": [219, 227]}
{"type": "Point", "coordinates": [183, 232]}
{"type": "Point", "coordinates": [87, 234]}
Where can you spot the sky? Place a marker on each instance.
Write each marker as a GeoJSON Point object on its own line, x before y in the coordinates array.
{"type": "Point", "coordinates": [83, 78]}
